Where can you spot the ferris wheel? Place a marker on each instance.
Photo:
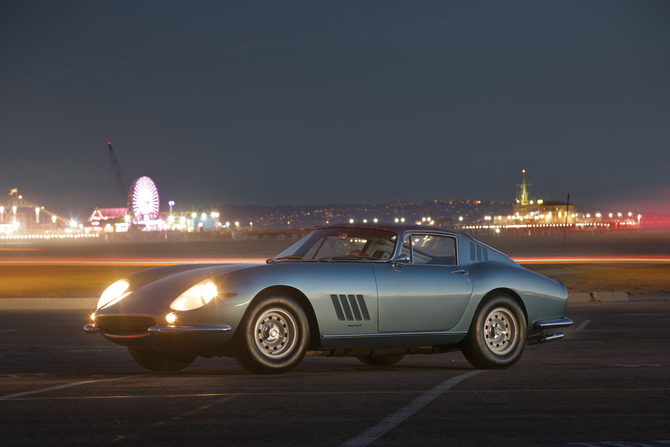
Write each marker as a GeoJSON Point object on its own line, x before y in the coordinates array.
{"type": "Point", "coordinates": [143, 199]}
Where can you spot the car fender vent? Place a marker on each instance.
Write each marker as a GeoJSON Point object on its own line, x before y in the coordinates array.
{"type": "Point", "coordinates": [350, 307]}
{"type": "Point", "coordinates": [124, 324]}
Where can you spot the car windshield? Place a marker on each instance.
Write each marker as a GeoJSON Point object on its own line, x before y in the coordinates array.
{"type": "Point", "coordinates": [342, 244]}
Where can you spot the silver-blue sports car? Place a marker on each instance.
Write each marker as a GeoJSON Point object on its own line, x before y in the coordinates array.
{"type": "Point", "coordinates": [375, 292]}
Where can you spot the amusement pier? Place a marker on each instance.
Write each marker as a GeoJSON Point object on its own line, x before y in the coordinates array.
{"type": "Point", "coordinates": [142, 218]}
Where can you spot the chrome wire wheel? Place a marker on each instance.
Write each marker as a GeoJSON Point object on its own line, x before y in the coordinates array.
{"type": "Point", "coordinates": [275, 333]}
{"type": "Point", "coordinates": [501, 331]}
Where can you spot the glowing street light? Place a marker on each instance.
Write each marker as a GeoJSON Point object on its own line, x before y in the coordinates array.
{"type": "Point", "coordinates": [351, 221]}
{"type": "Point", "coordinates": [53, 219]}
{"type": "Point", "coordinates": [73, 223]}
{"type": "Point", "coordinates": [171, 203]}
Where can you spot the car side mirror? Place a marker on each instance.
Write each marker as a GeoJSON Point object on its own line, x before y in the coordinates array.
{"type": "Point", "coordinates": [402, 259]}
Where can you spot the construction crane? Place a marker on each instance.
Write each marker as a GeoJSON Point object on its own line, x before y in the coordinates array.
{"type": "Point", "coordinates": [119, 176]}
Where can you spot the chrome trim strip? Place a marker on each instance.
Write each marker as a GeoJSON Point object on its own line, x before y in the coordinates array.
{"type": "Point", "coordinates": [156, 329]}
{"type": "Point", "coordinates": [554, 337]}
{"type": "Point", "coordinates": [124, 336]}
{"type": "Point", "coordinates": [549, 324]}
{"type": "Point", "coordinates": [390, 334]}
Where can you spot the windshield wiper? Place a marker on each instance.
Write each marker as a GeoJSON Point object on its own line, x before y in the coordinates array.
{"type": "Point", "coordinates": [347, 258]}
{"type": "Point", "coordinates": [284, 258]}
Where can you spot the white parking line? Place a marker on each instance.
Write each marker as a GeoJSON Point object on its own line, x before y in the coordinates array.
{"type": "Point", "coordinates": [395, 419]}
{"type": "Point", "coordinates": [582, 325]}
{"type": "Point", "coordinates": [67, 385]}
{"type": "Point", "coordinates": [340, 393]}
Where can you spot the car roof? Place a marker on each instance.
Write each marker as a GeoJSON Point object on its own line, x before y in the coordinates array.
{"type": "Point", "coordinates": [398, 228]}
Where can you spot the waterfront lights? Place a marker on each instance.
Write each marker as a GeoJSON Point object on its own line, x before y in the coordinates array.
{"type": "Point", "coordinates": [460, 218]}
{"type": "Point", "coordinates": [204, 216]}
{"type": "Point", "coordinates": [194, 215]}
{"type": "Point", "coordinates": [365, 221]}
{"type": "Point", "coordinates": [351, 221]}
{"type": "Point", "coordinates": [397, 220]}
{"type": "Point", "coordinates": [630, 214]}
{"type": "Point", "coordinates": [375, 220]}
{"type": "Point", "coordinates": [402, 219]}
{"type": "Point", "coordinates": [598, 214]}
{"type": "Point", "coordinates": [73, 223]}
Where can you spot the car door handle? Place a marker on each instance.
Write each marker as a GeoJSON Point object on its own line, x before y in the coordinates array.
{"type": "Point", "coordinates": [462, 272]}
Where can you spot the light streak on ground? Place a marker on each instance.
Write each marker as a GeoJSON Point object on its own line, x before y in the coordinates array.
{"type": "Point", "coordinates": [594, 260]}
{"type": "Point", "coordinates": [129, 261]}
{"type": "Point", "coordinates": [173, 261]}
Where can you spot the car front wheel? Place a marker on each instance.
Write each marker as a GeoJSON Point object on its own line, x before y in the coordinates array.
{"type": "Point", "coordinates": [159, 361]}
{"type": "Point", "coordinates": [273, 337]}
{"type": "Point", "coordinates": [497, 335]}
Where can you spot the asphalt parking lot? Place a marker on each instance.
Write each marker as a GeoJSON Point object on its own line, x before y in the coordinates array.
{"type": "Point", "coordinates": [606, 383]}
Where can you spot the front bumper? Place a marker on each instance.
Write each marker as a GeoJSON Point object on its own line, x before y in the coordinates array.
{"type": "Point", "coordinates": [184, 339]}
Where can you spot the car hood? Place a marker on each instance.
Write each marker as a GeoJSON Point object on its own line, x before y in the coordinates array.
{"type": "Point", "coordinates": [153, 290]}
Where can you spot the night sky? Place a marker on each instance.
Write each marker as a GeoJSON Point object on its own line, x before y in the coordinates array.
{"type": "Point", "coordinates": [294, 103]}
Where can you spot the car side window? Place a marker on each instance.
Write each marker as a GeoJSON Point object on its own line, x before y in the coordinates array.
{"type": "Point", "coordinates": [433, 249]}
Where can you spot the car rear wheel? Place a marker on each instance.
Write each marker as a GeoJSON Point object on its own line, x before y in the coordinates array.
{"type": "Point", "coordinates": [159, 361]}
{"type": "Point", "coordinates": [273, 337]}
{"type": "Point", "coordinates": [381, 360]}
{"type": "Point", "coordinates": [497, 335]}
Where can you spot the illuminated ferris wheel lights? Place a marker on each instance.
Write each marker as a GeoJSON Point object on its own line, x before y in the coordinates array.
{"type": "Point", "coordinates": [143, 199]}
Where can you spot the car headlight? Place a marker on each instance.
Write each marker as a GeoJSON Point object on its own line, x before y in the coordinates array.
{"type": "Point", "coordinates": [197, 296]}
{"type": "Point", "coordinates": [114, 293]}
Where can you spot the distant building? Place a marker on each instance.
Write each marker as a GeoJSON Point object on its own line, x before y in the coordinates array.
{"type": "Point", "coordinates": [110, 219]}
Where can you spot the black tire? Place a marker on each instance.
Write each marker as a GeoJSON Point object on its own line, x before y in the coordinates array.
{"type": "Point", "coordinates": [159, 361]}
{"type": "Point", "coordinates": [497, 335]}
{"type": "Point", "coordinates": [273, 336]}
{"type": "Point", "coordinates": [382, 360]}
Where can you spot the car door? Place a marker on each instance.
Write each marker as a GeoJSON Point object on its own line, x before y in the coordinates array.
{"type": "Point", "coordinates": [428, 294]}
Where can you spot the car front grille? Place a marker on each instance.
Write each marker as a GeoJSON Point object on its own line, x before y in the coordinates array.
{"type": "Point", "coordinates": [124, 325]}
